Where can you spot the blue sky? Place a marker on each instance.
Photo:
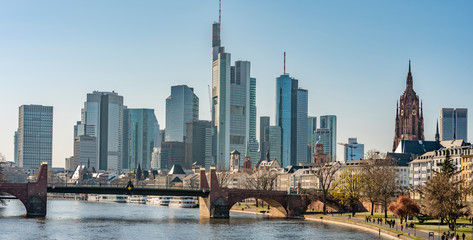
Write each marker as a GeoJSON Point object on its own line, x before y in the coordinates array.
{"type": "Point", "coordinates": [352, 56]}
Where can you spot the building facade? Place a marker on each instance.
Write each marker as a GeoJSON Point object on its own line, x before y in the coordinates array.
{"type": "Point", "coordinates": [35, 136]}
{"type": "Point", "coordinates": [453, 124]}
{"type": "Point", "coordinates": [354, 150]}
{"type": "Point", "coordinates": [181, 106]}
{"type": "Point", "coordinates": [15, 144]}
{"type": "Point", "coordinates": [273, 138]}
{"type": "Point", "coordinates": [141, 136]}
{"type": "Point", "coordinates": [311, 127]}
{"type": "Point", "coordinates": [85, 151]}
{"type": "Point", "coordinates": [103, 118]}
{"type": "Point", "coordinates": [302, 125]}
{"type": "Point", "coordinates": [324, 138]}
{"type": "Point", "coordinates": [409, 119]}
{"type": "Point", "coordinates": [264, 146]}
{"type": "Point", "coordinates": [330, 122]}
{"type": "Point", "coordinates": [253, 141]}
{"type": "Point", "coordinates": [171, 153]}
{"type": "Point", "coordinates": [198, 144]}
{"type": "Point", "coordinates": [286, 117]}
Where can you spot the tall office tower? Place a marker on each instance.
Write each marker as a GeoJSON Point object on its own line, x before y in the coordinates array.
{"type": "Point", "coordinates": [286, 117]}
{"type": "Point", "coordinates": [198, 144]}
{"type": "Point", "coordinates": [453, 124]}
{"type": "Point", "coordinates": [35, 136]}
{"type": "Point", "coordinates": [15, 144]}
{"type": "Point", "coordinates": [141, 130]}
{"type": "Point", "coordinates": [172, 153]}
{"type": "Point", "coordinates": [253, 142]}
{"type": "Point", "coordinates": [353, 150]}
{"type": "Point", "coordinates": [230, 101]}
{"type": "Point", "coordinates": [85, 151]}
{"type": "Point", "coordinates": [330, 122]}
{"type": "Point", "coordinates": [181, 106]}
{"type": "Point", "coordinates": [311, 127]}
{"type": "Point", "coordinates": [273, 140]}
{"type": "Point", "coordinates": [409, 120]}
{"type": "Point", "coordinates": [155, 158]}
{"type": "Point", "coordinates": [264, 146]}
{"type": "Point", "coordinates": [103, 118]}
{"type": "Point", "coordinates": [302, 118]}
{"type": "Point", "coordinates": [323, 136]}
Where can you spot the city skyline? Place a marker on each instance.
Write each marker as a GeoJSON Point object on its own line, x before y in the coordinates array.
{"type": "Point", "coordinates": [359, 85]}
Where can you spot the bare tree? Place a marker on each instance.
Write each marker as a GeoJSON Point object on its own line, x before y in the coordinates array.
{"type": "Point", "coordinates": [224, 178]}
{"type": "Point", "coordinates": [325, 172]}
{"type": "Point", "coordinates": [262, 180]}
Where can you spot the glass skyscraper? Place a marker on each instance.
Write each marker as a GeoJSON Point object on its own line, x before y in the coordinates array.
{"type": "Point", "coordinates": [35, 136]}
{"type": "Point", "coordinates": [302, 125]}
{"type": "Point", "coordinates": [311, 127]}
{"type": "Point", "coordinates": [253, 142]}
{"type": "Point", "coordinates": [264, 145]}
{"type": "Point", "coordinates": [181, 106]}
{"type": "Point", "coordinates": [453, 124]}
{"type": "Point", "coordinates": [273, 139]}
{"type": "Point", "coordinates": [330, 122]}
{"type": "Point", "coordinates": [103, 118]}
{"type": "Point", "coordinates": [286, 117]}
{"type": "Point", "coordinates": [198, 144]}
{"type": "Point", "coordinates": [141, 131]}
{"type": "Point", "coordinates": [15, 144]}
{"type": "Point", "coordinates": [353, 150]}
{"type": "Point", "coordinates": [323, 136]}
{"type": "Point", "coordinates": [231, 103]}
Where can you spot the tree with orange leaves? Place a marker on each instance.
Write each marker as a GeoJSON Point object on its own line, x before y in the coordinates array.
{"type": "Point", "coordinates": [404, 207]}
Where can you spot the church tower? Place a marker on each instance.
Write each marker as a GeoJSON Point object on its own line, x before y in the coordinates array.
{"type": "Point", "coordinates": [409, 120]}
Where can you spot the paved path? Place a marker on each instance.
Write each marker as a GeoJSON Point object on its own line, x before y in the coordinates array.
{"type": "Point", "coordinates": [411, 231]}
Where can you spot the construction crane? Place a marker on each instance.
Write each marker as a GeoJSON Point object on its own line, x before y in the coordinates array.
{"type": "Point", "coordinates": [351, 146]}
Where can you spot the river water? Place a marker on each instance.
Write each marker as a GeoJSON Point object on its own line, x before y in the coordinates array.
{"type": "Point", "coordinates": [69, 219]}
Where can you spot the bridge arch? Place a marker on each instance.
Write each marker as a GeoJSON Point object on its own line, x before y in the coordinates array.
{"type": "Point", "coordinates": [277, 208]}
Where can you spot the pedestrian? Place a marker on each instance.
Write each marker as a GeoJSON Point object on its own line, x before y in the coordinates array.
{"type": "Point", "coordinates": [463, 236]}
{"type": "Point", "coordinates": [402, 227]}
{"type": "Point", "coordinates": [443, 236]}
{"type": "Point", "coordinates": [458, 237]}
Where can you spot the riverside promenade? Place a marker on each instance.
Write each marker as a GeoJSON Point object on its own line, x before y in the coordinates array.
{"type": "Point", "coordinates": [383, 229]}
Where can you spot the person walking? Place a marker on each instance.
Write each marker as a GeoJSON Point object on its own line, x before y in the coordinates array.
{"type": "Point", "coordinates": [463, 236]}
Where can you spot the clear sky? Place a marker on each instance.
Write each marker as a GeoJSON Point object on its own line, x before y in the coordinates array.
{"type": "Point", "coordinates": [352, 56]}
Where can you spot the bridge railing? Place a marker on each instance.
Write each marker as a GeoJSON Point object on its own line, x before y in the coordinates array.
{"type": "Point", "coordinates": [71, 185]}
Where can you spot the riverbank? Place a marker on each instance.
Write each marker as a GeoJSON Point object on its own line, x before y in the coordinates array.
{"type": "Point", "coordinates": [382, 231]}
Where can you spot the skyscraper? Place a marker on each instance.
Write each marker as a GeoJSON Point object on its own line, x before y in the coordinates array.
{"type": "Point", "coordinates": [323, 136]}
{"type": "Point", "coordinates": [35, 136]}
{"type": "Point", "coordinates": [330, 122]}
{"type": "Point", "coordinates": [264, 145]}
{"type": "Point", "coordinates": [302, 125]}
{"type": "Point", "coordinates": [286, 117]}
{"type": "Point", "coordinates": [453, 124]}
{"type": "Point", "coordinates": [409, 120]}
{"type": "Point", "coordinates": [253, 142]}
{"type": "Point", "coordinates": [198, 144]}
{"type": "Point", "coordinates": [102, 117]}
{"type": "Point", "coordinates": [141, 131]}
{"type": "Point", "coordinates": [273, 139]}
{"type": "Point", "coordinates": [353, 150]}
{"type": "Point", "coordinates": [231, 99]}
{"type": "Point", "coordinates": [15, 144]}
{"type": "Point", "coordinates": [172, 153]}
{"type": "Point", "coordinates": [311, 127]}
{"type": "Point", "coordinates": [85, 151]}
{"type": "Point", "coordinates": [181, 106]}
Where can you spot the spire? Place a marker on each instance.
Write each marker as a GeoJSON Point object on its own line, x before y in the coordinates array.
{"type": "Point", "coordinates": [409, 84]}
{"type": "Point", "coordinates": [284, 63]}
{"type": "Point", "coordinates": [437, 135]}
{"type": "Point", "coordinates": [219, 11]}
{"type": "Point", "coordinates": [397, 109]}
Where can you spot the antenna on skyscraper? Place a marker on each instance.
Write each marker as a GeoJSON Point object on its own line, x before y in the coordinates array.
{"type": "Point", "coordinates": [284, 63]}
{"type": "Point", "coordinates": [219, 11]}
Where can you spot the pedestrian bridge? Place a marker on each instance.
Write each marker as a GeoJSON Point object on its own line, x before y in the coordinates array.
{"type": "Point", "coordinates": [214, 201]}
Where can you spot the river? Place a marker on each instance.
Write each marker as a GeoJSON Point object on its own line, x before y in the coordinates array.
{"type": "Point", "coordinates": [69, 219]}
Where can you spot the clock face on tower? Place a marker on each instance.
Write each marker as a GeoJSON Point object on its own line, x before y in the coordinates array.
{"type": "Point", "coordinates": [402, 112]}
{"type": "Point", "coordinates": [414, 112]}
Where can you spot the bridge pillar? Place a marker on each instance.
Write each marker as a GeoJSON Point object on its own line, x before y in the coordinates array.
{"type": "Point", "coordinates": [36, 202]}
{"type": "Point", "coordinates": [296, 206]}
{"type": "Point", "coordinates": [216, 204]}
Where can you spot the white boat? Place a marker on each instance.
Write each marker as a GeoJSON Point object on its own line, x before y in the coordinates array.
{"type": "Point", "coordinates": [161, 200]}
{"type": "Point", "coordinates": [112, 198]}
{"type": "Point", "coordinates": [184, 202]}
{"type": "Point", "coordinates": [93, 197]}
{"type": "Point", "coordinates": [137, 199]}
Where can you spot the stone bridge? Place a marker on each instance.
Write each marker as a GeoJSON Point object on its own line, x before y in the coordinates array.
{"type": "Point", "coordinates": [32, 195]}
{"type": "Point", "coordinates": [220, 200]}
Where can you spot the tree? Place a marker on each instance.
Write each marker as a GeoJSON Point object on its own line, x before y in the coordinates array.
{"type": "Point", "coordinates": [224, 178]}
{"type": "Point", "coordinates": [380, 180]}
{"type": "Point", "coordinates": [443, 198]}
{"type": "Point", "coordinates": [348, 188]}
{"type": "Point", "coordinates": [404, 207]}
{"type": "Point", "coordinates": [325, 172]}
{"type": "Point", "coordinates": [261, 180]}
{"type": "Point", "coordinates": [447, 165]}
